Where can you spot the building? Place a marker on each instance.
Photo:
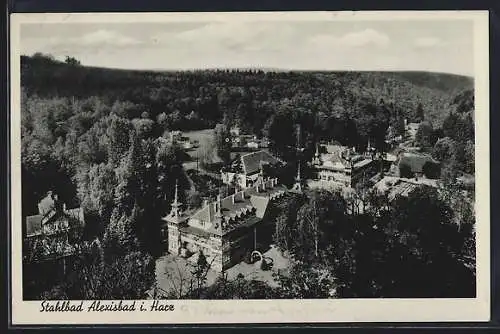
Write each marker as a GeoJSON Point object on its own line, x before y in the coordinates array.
{"type": "Point", "coordinates": [245, 170]}
{"type": "Point", "coordinates": [224, 230]}
{"type": "Point", "coordinates": [343, 167]}
{"type": "Point", "coordinates": [52, 233]}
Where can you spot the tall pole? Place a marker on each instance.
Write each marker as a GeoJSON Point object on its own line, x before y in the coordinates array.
{"type": "Point", "coordinates": [254, 238]}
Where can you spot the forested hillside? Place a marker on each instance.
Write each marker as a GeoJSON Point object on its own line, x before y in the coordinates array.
{"type": "Point", "coordinates": [69, 111]}
{"type": "Point", "coordinates": [199, 99]}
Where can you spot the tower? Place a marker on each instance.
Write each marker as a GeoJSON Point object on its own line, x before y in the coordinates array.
{"type": "Point", "coordinates": [176, 211]}
{"type": "Point", "coordinates": [317, 159]}
{"type": "Point", "coordinates": [175, 218]}
{"type": "Point", "coordinates": [298, 181]}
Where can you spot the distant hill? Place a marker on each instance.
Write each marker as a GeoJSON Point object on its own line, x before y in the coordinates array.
{"type": "Point", "coordinates": [195, 91]}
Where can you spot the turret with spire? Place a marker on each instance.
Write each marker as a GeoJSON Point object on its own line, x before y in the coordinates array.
{"type": "Point", "coordinates": [176, 205]}
{"type": "Point", "coordinates": [317, 158]}
{"type": "Point", "coordinates": [176, 214]}
{"type": "Point", "coordinates": [298, 181]}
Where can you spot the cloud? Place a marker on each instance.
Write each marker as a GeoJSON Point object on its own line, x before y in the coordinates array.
{"type": "Point", "coordinates": [98, 38]}
{"type": "Point", "coordinates": [367, 37]}
{"type": "Point", "coordinates": [235, 36]}
{"type": "Point", "coordinates": [427, 42]}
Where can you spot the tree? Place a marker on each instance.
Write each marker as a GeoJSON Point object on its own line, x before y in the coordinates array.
{"type": "Point", "coordinates": [306, 282]}
{"type": "Point", "coordinates": [405, 170]}
{"type": "Point", "coordinates": [97, 193]}
{"type": "Point", "coordinates": [469, 157]}
{"type": "Point", "coordinates": [120, 238]}
{"type": "Point", "coordinates": [143, 127]}
{"type": "Point", "coordinates": [431, 170]}
{"type": "Point", "coordinates": [316, 222]}
{"type": "Point", "coordinates": [129, 277]}
{"type": "Point", "coordinates": [72, 61]}
{"type": "Point", "coordinates": [280, 131]}
{"type": "Point", "coordinates": [223, 144]}
{"type": "Point", "coordinates": [422, 227]}
{"type": "Point", "coordinates": [419, 114]}
{"type": "Point", "coordinates": [423, 136]}
{"type": "Point", "coordinates": [443, 149]}
{"type": "Point", "coordinates": [194, 199]}
{"type": "Point", "coordinates": [119, 134]}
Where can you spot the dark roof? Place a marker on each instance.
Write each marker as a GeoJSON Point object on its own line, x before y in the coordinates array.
{"type": "Point", "coordinates": [416, 161]}
{"type": "Point", "coordinates": [33, 225]}
{"type": "Point", "coordinates": [251, 162]}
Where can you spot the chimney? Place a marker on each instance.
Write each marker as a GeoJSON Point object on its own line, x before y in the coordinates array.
{"type": "Point", "coordinates": [232, 198]}
{"type": "Point", "coordinates": [263, 185]}
{"type": "Point", "coordinates": [257, 186]}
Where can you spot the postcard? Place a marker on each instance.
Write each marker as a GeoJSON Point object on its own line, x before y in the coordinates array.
{"type": "Point", "coordinates": [271, 167]}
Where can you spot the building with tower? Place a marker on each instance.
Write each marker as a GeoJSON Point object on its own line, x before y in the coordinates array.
{"type": "Point", "coordinates": [224, 230]}
{"type": "Point", "coordinates": [342, 167]}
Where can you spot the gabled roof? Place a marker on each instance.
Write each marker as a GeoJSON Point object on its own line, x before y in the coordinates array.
{"type": "Point", "coordinates": [251, 162]}
{"type": "Point", "coordinates": [46, 204]}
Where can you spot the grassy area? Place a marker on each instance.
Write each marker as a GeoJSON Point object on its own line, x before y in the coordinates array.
{"type": "Point", "coordinates": [198, 137]}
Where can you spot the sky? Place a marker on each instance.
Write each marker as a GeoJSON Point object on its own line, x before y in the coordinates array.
{"type": "Point", "coordinates": [431, 45]}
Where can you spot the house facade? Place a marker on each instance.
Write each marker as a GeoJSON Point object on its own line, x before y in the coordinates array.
{"type": "Point", "coordinates": [52, 233]}
{"type": "Point", "coordinates": [343, 167]}
{"type": "Point", "coordinates": [245, 170]}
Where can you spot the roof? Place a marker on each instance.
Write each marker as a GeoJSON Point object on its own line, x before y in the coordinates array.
{"type": "Point", "coordinates": [362, 163]}
{"type": "Point", "coordinates": [46, 204]}
{"type": "Point", "coordinates": [260, 204]}
{"type": "Point", "coordinates": [251, 162]}
{"type": "Point", "coordinates": [33, 225]}
{"type": "Point", "coordinates": [395, 186]}
{"type": "Point", "coordinates": [415, 161]}
{"type": "Point", "coordinates": [239, 207]}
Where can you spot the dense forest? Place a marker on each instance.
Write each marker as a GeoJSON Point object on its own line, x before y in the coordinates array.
{"type": "Point", "coordinates": [97, 137]}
